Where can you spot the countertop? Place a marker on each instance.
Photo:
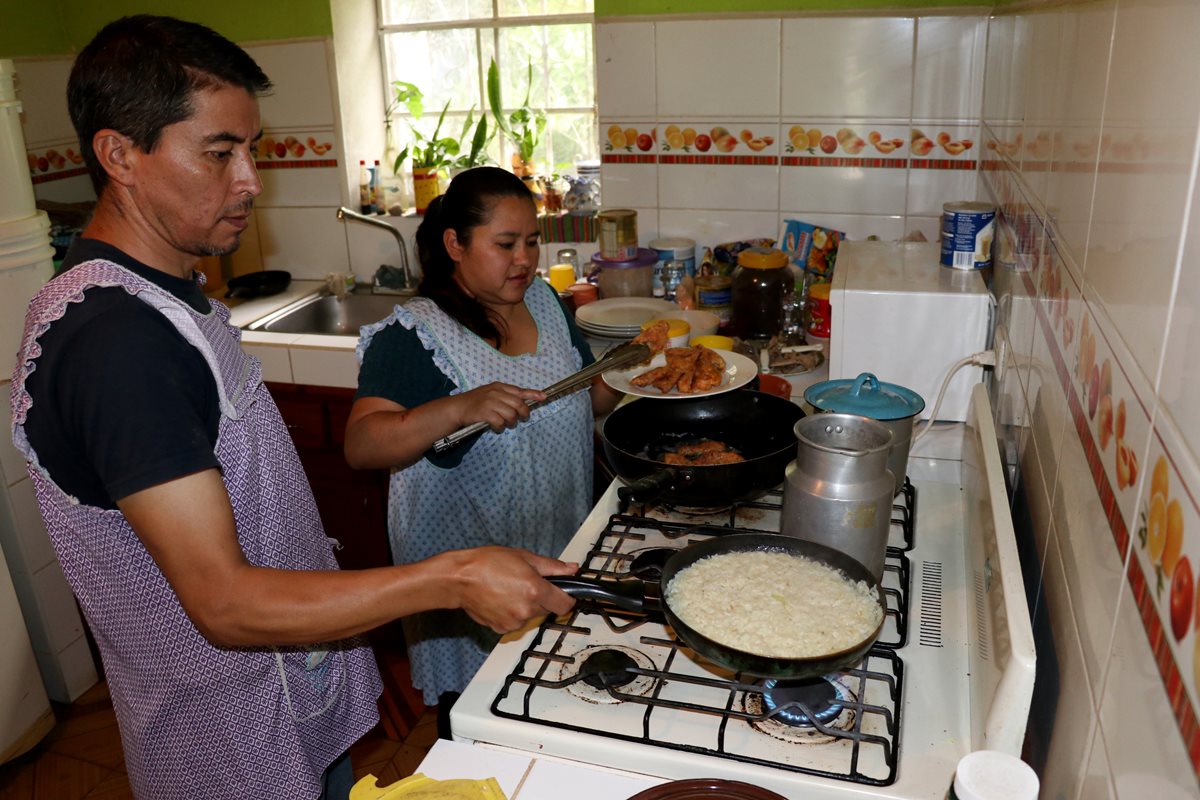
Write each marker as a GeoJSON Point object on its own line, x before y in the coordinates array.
{"type": "Point", "coordinates": [523, 777]}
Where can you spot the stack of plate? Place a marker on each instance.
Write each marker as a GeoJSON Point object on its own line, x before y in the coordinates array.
{"type": "Point", "coordinates": [619, 317]}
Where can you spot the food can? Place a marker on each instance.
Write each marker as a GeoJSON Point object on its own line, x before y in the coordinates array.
{"type": "Point", "coordinates": [673, 249]}
{"type": "Point", "coordinates": [618, 234]}
{"type": "Point", "coordinates": [819, 310]}
{"type": "Point", "coordinates": [967, 232]}
{"type": "Point", "coordinates": [715, 293]}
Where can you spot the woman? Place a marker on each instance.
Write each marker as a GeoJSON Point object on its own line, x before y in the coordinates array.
{"type": "Point", "coordinates": [476, 344]}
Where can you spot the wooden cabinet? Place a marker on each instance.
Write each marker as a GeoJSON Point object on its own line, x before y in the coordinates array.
{"type": "Point", "coordinates": [353, 508]}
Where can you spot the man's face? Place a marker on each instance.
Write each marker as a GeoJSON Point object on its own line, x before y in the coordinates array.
{"type": "Point", "coordinates": [197, 186]}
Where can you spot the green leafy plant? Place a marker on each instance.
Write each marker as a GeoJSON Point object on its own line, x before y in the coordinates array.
{"type": "Point", "coordinates": [436, 150]}
{"type": "Point", "coordinates": [525, 125]}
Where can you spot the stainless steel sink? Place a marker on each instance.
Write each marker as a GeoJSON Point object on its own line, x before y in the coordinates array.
{"type": "Point", "coordinates": [326, 313]}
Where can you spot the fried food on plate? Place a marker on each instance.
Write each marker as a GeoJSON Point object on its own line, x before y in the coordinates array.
{"type": "Point", "coordinates": [688, 370]}
{"type": "Point", "coordinates": [655, 337]}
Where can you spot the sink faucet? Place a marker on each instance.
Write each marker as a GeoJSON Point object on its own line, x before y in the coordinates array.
{"type": "Point", "coordinates": [344, 213]}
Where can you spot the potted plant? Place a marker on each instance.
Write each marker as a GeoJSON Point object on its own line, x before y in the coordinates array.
{"type": "Point", "coordinates": [524, 126]}
{"type": "Point", "coordinates": [431, 154]}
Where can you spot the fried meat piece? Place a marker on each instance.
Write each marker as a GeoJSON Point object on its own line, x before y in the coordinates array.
{"type": "Point", "coordinates": [676, 459]}
{"type": "Point", "coordinates": [651, 376]}
{"type": "Point", "coordinates": [716, 457]}
{"type": "Point", "coordinates": [669, 380]}
{"type": "Point", "coordinates": [655, 337]}
{"type": "Point", "coordinates": [682, 357]}
{"type": "Point", "coordinates": [693, 449]}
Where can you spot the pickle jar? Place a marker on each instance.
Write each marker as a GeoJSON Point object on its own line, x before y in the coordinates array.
{"type": "Point", "coordinates": [760, 286]}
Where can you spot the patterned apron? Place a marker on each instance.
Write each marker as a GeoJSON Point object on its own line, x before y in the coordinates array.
{"type": "Point", "coordinates": [530, 486]}
{"type": "Point", "coordinates": [199, 721]}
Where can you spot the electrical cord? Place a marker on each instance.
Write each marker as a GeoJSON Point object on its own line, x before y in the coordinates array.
{"type": "Point", "coordinates": [985, 358]}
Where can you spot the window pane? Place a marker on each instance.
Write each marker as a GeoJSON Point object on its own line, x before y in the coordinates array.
{"type": "Point", "coordinates": [570, 138]}
{"type": "Point", "coordinates": [525, 8]}
{"type": "Point", "coordinates": [402, 12]}
{"type": "Point", "coordinates": [443, 65]}
{"type": "Point", "coordinates": [562, 59]}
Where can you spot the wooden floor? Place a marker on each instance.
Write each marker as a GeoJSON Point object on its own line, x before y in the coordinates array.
{"type": "Point", "coordinates": [81, 759]}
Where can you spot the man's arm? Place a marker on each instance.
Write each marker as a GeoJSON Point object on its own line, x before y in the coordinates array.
{"type": "Point", "coordinates": [187, 526]}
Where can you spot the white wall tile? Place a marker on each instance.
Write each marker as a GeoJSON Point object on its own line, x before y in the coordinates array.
{"type": "Point", "coordinates": [625, 82]}
{"type": "Point", "coordinates": [371, 247]}
{"type": "Point", "coordinates": [727, 67]}
{"type": "Point", "coordinates": [302, 97]}
{"type": "Point", "coordinates": [718, 186]}
{"type": "Point", "coordinates": [930, 189]}
{"type": "Point", "coordinates": [313, 186]}
{"type": "Point", "coordinates": [627, 185]}
{"type": "Point", "coordinates": [1097, 778]}
{"type": "Point", "coordinates": [710, 228]}
{"type": "Point", "coordinates": [848, 67]}
{"type": "Point", "coordinates": [948, 76]}
{"type": "Point", "coordinates": [844, 190]}
{"type": "Point", "coordinates": [1179, 381]}
{"type": "Point", "coordinates": [308, 242]}
{"type": "Point", "coordinates": [854, 226]}
{"type": "Point", "coordinates": [42, 90]}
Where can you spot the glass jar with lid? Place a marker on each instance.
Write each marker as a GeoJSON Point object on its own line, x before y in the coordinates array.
{"type": "Point", "coordinates": [761, 283]}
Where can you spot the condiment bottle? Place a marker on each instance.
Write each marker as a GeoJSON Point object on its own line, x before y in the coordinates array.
{"type": "Point", "coordinates": [992, 775]}
{"type": "Point", "coordinates": [760, 284]}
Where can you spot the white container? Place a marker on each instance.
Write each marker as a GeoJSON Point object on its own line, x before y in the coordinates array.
{"type": "Point", "coordinates": [896, 312]}
{"type": "Point", "coordinates": [991, 775]}
{"type": "Point", "coordinates": [16, 200]}
{"type": "Point", "coordinates": [26, 242]}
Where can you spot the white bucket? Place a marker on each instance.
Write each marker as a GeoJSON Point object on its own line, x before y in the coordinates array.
{"type": "Point", "coordinates": [17, 200]}
{"type": "Point", "coordinates": [26, 242]}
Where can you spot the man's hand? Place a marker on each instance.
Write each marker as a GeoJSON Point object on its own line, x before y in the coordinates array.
{"type": "Point", "coordinates": [502, 587]}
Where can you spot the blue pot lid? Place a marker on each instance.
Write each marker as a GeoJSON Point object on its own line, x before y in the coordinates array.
{"type": "Point", "coordinates": [866, 396]}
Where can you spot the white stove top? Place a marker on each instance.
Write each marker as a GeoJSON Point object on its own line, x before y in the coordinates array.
{"type": "Point", "coordinates": [678, 716]}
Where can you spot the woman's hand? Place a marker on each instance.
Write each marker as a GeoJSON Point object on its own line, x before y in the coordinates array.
{"type": "Point", "coordinates": [500, 405]}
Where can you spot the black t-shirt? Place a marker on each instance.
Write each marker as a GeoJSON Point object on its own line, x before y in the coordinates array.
{"type": "Point", "coordinates": [121, 401]}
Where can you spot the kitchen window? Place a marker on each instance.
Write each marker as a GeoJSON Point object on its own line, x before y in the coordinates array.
{"type": "Point", "coordinates": [444, 47]}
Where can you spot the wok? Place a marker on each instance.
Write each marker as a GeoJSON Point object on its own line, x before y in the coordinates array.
{"type": "Point", "coordinates": [757, 425]}
{"type": "Point", "coordinates": [632, 595]}
{"type": "Point", "coordinates": [258, 284]}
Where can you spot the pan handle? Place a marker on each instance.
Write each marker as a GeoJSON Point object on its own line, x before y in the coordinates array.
{"type": "Point", "coordinates": [629, 595]}
{"type": "Point", "coordinates": [650, 487]}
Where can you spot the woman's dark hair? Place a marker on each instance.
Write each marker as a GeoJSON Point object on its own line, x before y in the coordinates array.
{"type": "Point", "coordinates": [138, 76]}
{"type": "Point", "coordinates": [466, 205]}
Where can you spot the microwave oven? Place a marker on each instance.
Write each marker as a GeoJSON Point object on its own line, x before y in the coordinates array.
{"type": "Point", "coordinates": [895, 311]}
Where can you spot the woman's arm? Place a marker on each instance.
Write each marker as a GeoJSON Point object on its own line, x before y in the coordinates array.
{"type": "Point", "coordinates": [382, 434]}
{"type": "Point", "coordinates": [604, 397]}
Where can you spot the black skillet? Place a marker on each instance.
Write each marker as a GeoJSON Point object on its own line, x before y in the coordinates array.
{"type": "Point", "coordinates": [258, 284]}
{"type": "Point", "coordinates": [758, 426]}
{"type": "Point", "coordinates": [639, 595]}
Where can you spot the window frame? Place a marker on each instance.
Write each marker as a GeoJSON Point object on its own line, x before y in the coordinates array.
{"type": "Point", "coordinates": [482, 27]}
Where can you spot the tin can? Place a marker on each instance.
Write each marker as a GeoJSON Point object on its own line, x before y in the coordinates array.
{"type": "Point", "coordinates": [618, 234]}
{"type": "Point", "coordinates": [967, 233]}
{"type": "Point", "coordinates": [715, 293]}
{"type": "Point", "coordinates": [819, 310]}
{"type": "Point", "coordinates": [673, 249]}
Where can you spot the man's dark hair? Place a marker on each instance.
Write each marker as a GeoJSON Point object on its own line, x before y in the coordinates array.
{"type": "Point", "coordinates": [139, 73]}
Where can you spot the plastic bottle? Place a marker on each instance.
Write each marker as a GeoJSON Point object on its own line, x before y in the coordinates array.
{"type": "Point", "coordinates": [364, 188]}
{"type": "Point", "coordinates": [377, 206]}
{"type": "Point", "coordinates": [992, 775]}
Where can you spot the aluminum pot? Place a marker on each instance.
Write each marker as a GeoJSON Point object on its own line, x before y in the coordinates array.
{"type": "Point", "coordinates": [838, 492]}
{"type": "Point", "coordinates": [893, 405]}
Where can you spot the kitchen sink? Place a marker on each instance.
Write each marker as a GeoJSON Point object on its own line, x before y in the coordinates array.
{"type": "Point", "coordinates": [328, 314]}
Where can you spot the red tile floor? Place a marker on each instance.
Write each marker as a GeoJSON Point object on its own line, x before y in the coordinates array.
{"type": "Point", "coordinates": [81, 759]}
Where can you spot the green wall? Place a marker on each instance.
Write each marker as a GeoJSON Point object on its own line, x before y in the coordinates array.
{"type": "Point", "coordinates": [621, 8]}
{"type": "Point", "coordinates": [57, 27]}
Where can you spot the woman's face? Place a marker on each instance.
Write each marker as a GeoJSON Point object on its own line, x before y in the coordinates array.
{"type": "Point", "coordinates": [500, 259]}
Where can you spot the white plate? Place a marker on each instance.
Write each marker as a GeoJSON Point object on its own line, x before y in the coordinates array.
{"type": "Point", "coordinates": [621, 312]}
{"type": "Point", "coordinates": [739, 371]}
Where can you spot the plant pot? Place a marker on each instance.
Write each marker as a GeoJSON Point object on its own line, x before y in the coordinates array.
{"type": "Point", "coordinates": [534, 185]}
{"type": "Point", "coordinates": [426, 186]}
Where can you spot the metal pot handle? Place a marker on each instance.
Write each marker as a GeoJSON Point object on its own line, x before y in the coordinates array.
{"type": "Point", "coordinates": [866, 378]}
{"type": "Point", "coordinates": [629, 595]}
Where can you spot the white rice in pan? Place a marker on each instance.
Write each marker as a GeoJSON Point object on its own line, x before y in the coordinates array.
{"type": "Point", "coordinates": [774, 604]}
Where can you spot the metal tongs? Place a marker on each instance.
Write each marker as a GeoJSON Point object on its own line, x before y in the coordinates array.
{"type": "Point", "coordinates": [620, 356]}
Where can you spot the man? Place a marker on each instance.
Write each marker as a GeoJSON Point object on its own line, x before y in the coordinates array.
{"type": "Point", "coordinates": [174, 497]}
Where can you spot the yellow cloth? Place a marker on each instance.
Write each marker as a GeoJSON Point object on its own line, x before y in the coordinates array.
{"type": "Point", "coordinates": [421, 787]}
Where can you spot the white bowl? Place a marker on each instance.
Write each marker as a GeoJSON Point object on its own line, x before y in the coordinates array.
{"type": "Point", "coordinates": [703, 323]}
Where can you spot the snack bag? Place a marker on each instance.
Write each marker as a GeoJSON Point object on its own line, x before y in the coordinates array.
{"type": "Point", "coordinates": [724, 257]}
{"type": "Point", "coordinates": [812, 249]}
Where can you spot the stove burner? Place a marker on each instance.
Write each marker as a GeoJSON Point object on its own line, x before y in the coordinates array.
{"type": "Point", "coordinates": [819, 696]}
{"type": "Point", "coordinates": [648, 564]}
{"type": "Point", "coordinates": [829, 701]}
{"type": "Point", "coordinates": [696, 512]}
{"type": "Point", "coordinates": [595, 672]}
{"type": "Point", "coordinates": [605, 668]}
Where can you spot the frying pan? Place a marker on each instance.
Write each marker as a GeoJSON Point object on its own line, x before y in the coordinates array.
{"type": "Point", "coordinates": [758, 425]}
{"type": "Point", "coordinates": [258, 284]}
{"type": "Point", "coordinates": [633, 595]}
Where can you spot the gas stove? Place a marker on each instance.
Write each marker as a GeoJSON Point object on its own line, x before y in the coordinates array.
{"type": "Point", "coordinates": [951, 672]}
